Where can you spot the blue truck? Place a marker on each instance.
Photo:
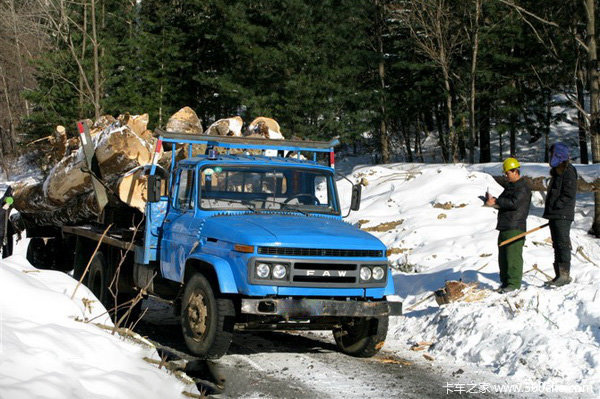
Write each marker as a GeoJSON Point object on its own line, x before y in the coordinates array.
{"type": "Point", "coordinates": [237, 240]}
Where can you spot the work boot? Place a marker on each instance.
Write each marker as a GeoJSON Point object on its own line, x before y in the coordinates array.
{"type": "Point", "coordinates": [563, 276]}
{"type": "Point", "coordinates": [556, 274]}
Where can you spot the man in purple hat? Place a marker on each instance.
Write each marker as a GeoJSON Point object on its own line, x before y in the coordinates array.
{"type": "Point", "coordinates": [560, 211]}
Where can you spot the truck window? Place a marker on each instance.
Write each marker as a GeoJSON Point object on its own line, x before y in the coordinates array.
{"type": "Point", "coordinates": [321, 188]}
{"type": "Point", "coordinates": [263, 187]}
{"type": "Point", "coordinates": [185, 197]}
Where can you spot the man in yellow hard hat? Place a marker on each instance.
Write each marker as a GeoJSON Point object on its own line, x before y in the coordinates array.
{"type": "Point", "coordinates": [513, 208]}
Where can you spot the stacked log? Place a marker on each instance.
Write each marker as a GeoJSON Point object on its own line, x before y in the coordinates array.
{"type": "Point", "coordinates": [66, 195]}
{"type": "Point", "coordinates": [123, 147]}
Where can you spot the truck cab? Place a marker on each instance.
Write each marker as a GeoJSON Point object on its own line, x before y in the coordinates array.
{"type": "Point", "coordinates": [258, 243]}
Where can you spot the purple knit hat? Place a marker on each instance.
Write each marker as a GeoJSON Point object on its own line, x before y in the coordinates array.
{"type": "Point", "coordinates": [558, 154]}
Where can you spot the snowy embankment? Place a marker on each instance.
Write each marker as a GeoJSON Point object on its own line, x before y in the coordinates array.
{"type": "Point", "coordinates": [431, 218]}
{"type": "Point", "coordinates": [46, 351]}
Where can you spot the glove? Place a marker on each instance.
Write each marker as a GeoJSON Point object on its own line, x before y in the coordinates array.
{"type": "Point", "coordinates": [9, 200]}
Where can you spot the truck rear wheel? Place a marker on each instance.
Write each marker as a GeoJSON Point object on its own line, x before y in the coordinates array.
{"type": "Point", "coordinates": [361, 336]}
{"type": "Point", "coordinates": [205, 319]}
{"type": "Point", "coordinates": [38, 254]}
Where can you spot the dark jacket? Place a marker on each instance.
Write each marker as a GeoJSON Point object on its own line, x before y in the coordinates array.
{"type": "Point", "coordinates": [560, 199]}
{"type": "Point", "coordinates": [513, 205]}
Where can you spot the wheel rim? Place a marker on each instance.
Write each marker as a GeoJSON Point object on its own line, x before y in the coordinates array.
{"type": "Point", "coordinates": [197, 315]}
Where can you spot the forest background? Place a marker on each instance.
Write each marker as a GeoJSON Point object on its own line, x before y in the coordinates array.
{"type": "Point", "coordinates": [382, 74]}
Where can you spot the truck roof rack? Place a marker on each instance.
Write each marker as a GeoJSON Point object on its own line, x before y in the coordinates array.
{"type": "Point", "coordinates": [248, 142]}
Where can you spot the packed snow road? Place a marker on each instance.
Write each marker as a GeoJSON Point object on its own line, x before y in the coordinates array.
{"type": "Point", "coordinates": [308, 365]}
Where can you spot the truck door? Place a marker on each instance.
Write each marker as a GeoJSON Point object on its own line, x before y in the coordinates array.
{"type": "Point", "coordinates": [178, 231]}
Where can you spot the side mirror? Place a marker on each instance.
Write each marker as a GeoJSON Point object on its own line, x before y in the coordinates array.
{"type": "Point", "coordinates": [356, 192]}
{"type": "Point", "coordinates": [154, 184]}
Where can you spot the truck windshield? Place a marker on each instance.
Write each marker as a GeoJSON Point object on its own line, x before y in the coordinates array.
{"type": "Point", "coordinates": [267, 188]}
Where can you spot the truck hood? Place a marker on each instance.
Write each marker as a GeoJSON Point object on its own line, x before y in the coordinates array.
{"type": "Point", "coordinates": [289, 230]}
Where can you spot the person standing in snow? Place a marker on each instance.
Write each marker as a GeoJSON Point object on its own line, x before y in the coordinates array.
{"type": "Point", "coordinates": [513, 208]}
{"type": "Point", "coordinates": [6, 243]}
{"type": "Point", "coordinates": [560, 211]}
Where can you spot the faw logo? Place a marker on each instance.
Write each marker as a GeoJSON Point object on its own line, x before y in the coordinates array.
{"type": "Point", "coordinates": [326, 273]}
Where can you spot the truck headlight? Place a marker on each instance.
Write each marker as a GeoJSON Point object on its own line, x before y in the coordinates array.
{"type": "Point", "coordinates": [378, 273]}
{"type": "Point", "coordinates": [365, 273]}
{"type": "Point", "coordinates": [263, 270]}
{"type": "Point", "coordinates": [279, 271]}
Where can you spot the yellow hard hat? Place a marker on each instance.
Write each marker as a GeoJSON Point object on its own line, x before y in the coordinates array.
{"type": "Point", "coordinates": [510, 164]}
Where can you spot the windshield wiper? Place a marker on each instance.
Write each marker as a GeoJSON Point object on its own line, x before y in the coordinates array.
{"type": "Point", "coordinates": [292, 208]}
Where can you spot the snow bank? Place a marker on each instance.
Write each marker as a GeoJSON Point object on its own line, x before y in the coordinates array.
{"type": "Point", "coordinates": [46, 353]}
{"type": "Point", "coordinates": [432, 219]}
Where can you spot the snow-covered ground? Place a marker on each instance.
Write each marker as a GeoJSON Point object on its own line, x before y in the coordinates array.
{"type": "Point", "coordinates": [46, 351]}
{"type": "Point", "coordinates": [432, 219]}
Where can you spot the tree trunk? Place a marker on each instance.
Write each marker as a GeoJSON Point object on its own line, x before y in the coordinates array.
{"type": "Point", "coordinates": [581, 118]}
{"type": "Point", "coordinates": [406, 136]}
{"type": "Point", "coordinates": [547, 123]}
{"type": "Point", "coordinates": [19, 56]}
{"type": "Point", "coordinates": [461, 138]}
{"type": "Point", "coordinates": [385, 151]}
{"type": "Point", "coordinates": [83, 46]}
{"type": "Point", "coordinates": [594, 82]}
{"type": "Point", "coordinates": [513, 129]}
{"type": "Point", "coordinates": [513, 136]}
{"type": "Point", "coordinates": [473, 131]}
{"type": "Point", "coordinates": [485, 154]}
{"type": "Point", "coordinates": [451, 131]}
{"type": "Point", "coordinates": [10, 134]}
{"type": "Point", "coordinates": [418, 152]}
{"type": "Point", "coordinates": [441, 134]}
{"type": "Point", "coordinates": [500, 145]}
{"type": "Point", "coordinates": [95, 44]}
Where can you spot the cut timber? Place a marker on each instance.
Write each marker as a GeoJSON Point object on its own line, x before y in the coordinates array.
{"type": "Point", "coordinates": [59, 142]}
{"type": "Point", "coordinates": [266, 127]}
{"type": "Point", "coordinates": [226, 127]}
{"type": "Point", "coordinates": [137, 123]}
{"type": "Point", "coordinates": [117, 152]}
{"type": "Point", "coordinates": [454, 291]}
{"type": "Point", "coordinates": [67, 180]}
{"type": "Point", "coordinates": [132, 188]}
{"type": "Point", "coordinates": [185, 121]}
{"type": "Point", "coordinates": [66, 195]}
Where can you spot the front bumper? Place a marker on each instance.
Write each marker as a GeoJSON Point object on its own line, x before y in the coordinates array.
{"type": "Point", "coordinates": [306, 307]}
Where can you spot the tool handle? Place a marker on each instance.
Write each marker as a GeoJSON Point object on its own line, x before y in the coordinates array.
{"type": "Point", "coordinates": [515, 238]}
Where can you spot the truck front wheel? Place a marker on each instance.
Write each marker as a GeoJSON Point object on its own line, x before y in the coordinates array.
{"type": "Point", "coordinates": [205, 319]}
{"type": "Point", "coordinates": [361, 336]}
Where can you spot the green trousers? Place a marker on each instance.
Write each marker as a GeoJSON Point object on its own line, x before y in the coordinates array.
{"type": "Point", "coordinates": [510, 259]}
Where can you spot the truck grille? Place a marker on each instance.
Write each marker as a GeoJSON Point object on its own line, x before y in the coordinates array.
{"type": "Point", "coordinates": [318, 273]}
{"type": "Point", "coordinates": [335, 273]}
{"type": "Point", "coordinates": [337, 253]}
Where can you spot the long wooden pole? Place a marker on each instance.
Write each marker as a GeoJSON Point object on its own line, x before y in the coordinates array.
{"type": "Point", "coordinates": [515, 238]}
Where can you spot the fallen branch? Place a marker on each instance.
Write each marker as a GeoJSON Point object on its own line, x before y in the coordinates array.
{"type": "Point", "coordinates": [536, 268]}
{"type": "Point", "coordinates": [420, 302]}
